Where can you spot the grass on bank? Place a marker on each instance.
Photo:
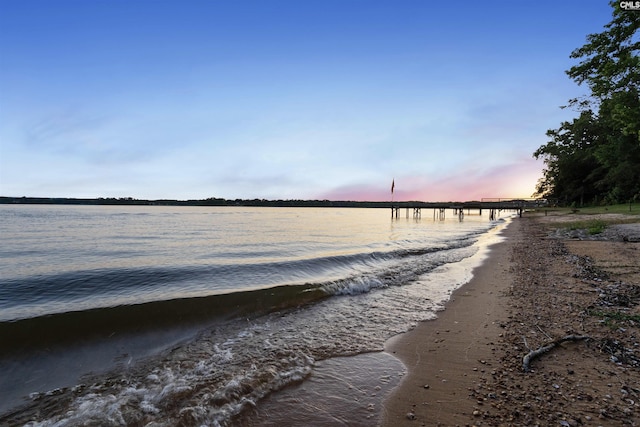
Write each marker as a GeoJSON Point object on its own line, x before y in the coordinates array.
{"type": "Point", "coordinates": [614, 319]}
{"type": "Point", "coordinates": [624, 209]}
{"type": "Point", "coordinates": [595, 225]}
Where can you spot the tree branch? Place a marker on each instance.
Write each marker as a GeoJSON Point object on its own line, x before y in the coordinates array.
{"type": "Point", "coordinates": [526, 360]}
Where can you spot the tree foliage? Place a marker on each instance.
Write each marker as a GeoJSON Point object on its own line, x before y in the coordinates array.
{"type": "Point", "coordinates": [595, 158]}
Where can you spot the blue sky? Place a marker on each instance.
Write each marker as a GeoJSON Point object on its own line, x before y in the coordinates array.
{"type": "Point", "coordinates": [283, 99]}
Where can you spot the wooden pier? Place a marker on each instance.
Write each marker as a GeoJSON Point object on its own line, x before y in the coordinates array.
{"type": "Point", "coordinates": [494, 206]}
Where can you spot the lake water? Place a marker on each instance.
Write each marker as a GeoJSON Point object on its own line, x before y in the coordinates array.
{"type": "Point", "coordinates": [130, 315]}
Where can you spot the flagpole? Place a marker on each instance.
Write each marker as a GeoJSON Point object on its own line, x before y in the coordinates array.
{"type": "Point", "coordinates": [393, 184]}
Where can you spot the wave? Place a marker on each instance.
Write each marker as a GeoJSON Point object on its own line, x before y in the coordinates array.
{"type": "Point", "coordinates": [412, 264]}
{"type": "Point", "coordinates": [22, 297]}
{"type": "Point", "coordinates": [119, 282]}
{"type": "Point", "coordinates": [63, 328]}
{"type": "Point", "coordinates": [234, 363]}
{"type": "Point", "coordinates": [355, 274]}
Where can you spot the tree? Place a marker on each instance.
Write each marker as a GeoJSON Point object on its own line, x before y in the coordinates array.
{"type": "Point", "coordinates": [573, 170]}
{"type": "Point", "coordinates": [596, 157]}
{"type": "Point", "coordinates": [610, 61]}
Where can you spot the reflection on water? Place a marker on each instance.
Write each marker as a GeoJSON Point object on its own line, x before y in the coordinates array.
{"type": "Point", "coordinates": [340, 391]}
{"type": "Point", "coordinates": [377, 277]}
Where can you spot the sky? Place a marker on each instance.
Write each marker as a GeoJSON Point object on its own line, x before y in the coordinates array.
{"type": "Point", "coordinates": [278, 99]}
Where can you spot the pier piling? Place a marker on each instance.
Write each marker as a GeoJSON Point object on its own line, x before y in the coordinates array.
{"type": "Point", "coordinates": [495, 206]}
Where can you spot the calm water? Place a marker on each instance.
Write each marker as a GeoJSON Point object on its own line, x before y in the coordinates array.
{"type": "Point", "coordinates": [216, 316]}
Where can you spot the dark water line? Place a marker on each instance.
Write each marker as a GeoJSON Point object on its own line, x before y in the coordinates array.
{"type": "Point", "coordinates": [101, 288]}
{"type": "Point", "coordinates": [98, 323]}
{"type": "Point", "coordinates": [96, 282]}
{"type": "Point", "coordinates": [66, 328]}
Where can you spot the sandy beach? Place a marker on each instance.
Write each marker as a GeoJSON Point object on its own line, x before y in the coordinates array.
{"type": "Point", "coordinates": [537, 287]}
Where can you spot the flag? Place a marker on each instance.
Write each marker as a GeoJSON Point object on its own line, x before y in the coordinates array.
{"type": "Point", "coordinates": [393, 185]}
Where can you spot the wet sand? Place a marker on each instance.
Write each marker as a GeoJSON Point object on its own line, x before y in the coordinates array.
{"type": "Point", "coordinates": [446, 356]}
{"type": "Point", "coordinates": [465, 368]}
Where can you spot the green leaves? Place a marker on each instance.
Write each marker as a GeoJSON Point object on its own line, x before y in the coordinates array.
{"type": "Point", "coordinates": [610, 60]}
{"type": "Point", "coordinates": [596, 157]}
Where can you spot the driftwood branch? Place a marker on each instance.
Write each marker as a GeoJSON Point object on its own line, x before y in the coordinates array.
{"type": "Point", "coordinates": [526, 360]}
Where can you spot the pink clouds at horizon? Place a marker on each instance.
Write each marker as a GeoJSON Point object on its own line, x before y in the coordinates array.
{"type": "Point", "coordinates": [516, 180]}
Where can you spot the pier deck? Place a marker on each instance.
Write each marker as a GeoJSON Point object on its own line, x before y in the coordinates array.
{"type": "Point", "coordinates": [492, 205]}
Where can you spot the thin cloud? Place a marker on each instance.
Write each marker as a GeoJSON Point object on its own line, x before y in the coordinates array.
{"type": "Point", "coordinates": [515, 180]}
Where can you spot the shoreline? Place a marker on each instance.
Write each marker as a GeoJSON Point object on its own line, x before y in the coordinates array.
{"type": "Point", "coordinates": [538, 286]}
{"type": "Point", "coordinates": [447, 355]}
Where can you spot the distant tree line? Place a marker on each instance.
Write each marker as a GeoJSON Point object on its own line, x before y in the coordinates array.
{"type": "Point", "coordinates": [212, 201]}
{"type": "Point", "coordinates": [595, 158]}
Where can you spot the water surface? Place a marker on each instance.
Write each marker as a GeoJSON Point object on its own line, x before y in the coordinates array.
{"type": "Point", "coordinates": [200, 315]}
